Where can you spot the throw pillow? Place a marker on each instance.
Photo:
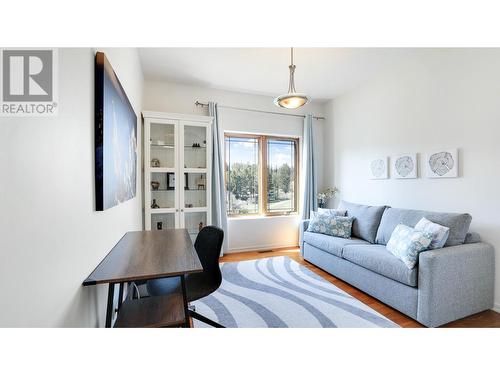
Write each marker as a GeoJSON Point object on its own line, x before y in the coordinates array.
{"type": "Point", "coordinates": [406, 243]}
{"type": "Point", "coordinates": [439, 233]}
{"type": "Point", "coordinates": [331, 225]}
{"type": "Point", "coordinates": [367, 219]}
{"type": "Point", "coordinates": [334, 212]}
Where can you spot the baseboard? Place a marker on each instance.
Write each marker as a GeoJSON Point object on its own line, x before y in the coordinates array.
{"type": "Point", "coordinates": [261, 248]}
{"type": "Point", "coordinates": [496, 307]}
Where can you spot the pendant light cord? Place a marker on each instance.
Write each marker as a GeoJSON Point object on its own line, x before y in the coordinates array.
{"type": "Point", "coordinates": [291, 82]}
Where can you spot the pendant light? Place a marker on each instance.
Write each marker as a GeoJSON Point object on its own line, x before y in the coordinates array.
{"type": "Point", "coordinates": [291, 100]}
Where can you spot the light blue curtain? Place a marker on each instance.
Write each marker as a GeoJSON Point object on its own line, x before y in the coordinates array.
{"type": "Point", "coordinates": [310, 188]}
{"type": "Point", "coordinates": [219, 214]}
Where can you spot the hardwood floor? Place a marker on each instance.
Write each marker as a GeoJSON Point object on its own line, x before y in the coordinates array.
{"type": "Point", "coordinates": [486, 319]}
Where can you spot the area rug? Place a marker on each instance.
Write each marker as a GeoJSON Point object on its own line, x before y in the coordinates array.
{"type": "Point", "coordinates": [278, 292]}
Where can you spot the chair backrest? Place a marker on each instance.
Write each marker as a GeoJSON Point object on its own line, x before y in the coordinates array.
{"type": "Point", "coordinates": [208, 245]}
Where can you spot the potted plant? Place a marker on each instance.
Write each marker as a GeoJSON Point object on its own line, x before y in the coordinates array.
{"type": "Point", "coordinates": [325, 195]}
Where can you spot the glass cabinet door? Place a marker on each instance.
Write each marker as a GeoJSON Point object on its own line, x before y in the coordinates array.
{"type": "Point", "coordinates": [195, 191]}
{"type": "Point", "coordinates": [161, 162]}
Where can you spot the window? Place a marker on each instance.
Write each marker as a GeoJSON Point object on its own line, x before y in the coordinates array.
{"type": "Point", "coordinates": [281, 175]}
{"type": "Point", "coordinates": [261, 174]}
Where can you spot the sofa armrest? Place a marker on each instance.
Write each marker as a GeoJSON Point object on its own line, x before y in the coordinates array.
{"type": "Point", "coordinates": [304, 224]}
{"type": "Point", "coordinates": [454, 282]}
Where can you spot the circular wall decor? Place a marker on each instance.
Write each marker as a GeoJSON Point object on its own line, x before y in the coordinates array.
{"type": "Point", "coordinates": [378, 168]}
{"type": "Point", "coordinates": [404, 165]}
{"type": "Point", "coordinates": [441, 163]}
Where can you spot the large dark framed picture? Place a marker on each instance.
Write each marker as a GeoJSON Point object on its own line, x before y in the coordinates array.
{"type": "Point", "coordinates": [115, 139]}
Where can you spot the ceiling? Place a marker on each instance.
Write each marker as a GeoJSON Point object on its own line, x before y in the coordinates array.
{"type": "Point", "coordinates": [322, 73]}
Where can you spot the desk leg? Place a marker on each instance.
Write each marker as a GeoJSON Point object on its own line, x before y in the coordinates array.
{"type": "Point", "coordinates": [109, 310]}
{"type": "Point", "coordinates": [121, 287]}
{"type": "Point", "coordinates": [184, 297]}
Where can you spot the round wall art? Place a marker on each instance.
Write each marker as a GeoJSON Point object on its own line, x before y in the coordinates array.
{"type": "Point", "coordinates": [378, 169]}
{"type": "Point", "coordinates": [404, 166]}
{"type": "Point", "coordinates": [442, 164]}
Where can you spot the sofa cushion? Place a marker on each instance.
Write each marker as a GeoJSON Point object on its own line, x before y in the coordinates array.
{"type": "Point", "coordinates": [439, 233]}
{"type": "Point", "coordinates": [331, 225]}
{"type": "Point", "coordinates": [332, 245]}
{"type": "Point", "coordinates": [472, 237]}
{"type": "Point", "coordinates": [378, 259]}
{"type": "Point", "coordinates": [458, 223]}
{"type": "Point", "coordinates": [366, 219]}
{"type": "Point", "coordinates": [407, 242]}
{"type": "Point", "coordinates": [331, 211]}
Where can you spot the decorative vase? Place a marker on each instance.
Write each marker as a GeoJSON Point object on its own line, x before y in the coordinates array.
{"type": "Point", "coordinates": [321, 203]}
{"type": "Point", "coordinates": [155, 185]}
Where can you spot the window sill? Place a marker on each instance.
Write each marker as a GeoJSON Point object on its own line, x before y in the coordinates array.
{"type": "Point", "coordinates": [256, 217]}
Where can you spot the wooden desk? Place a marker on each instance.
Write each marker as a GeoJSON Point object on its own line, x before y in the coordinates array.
{"type": "Point", "coordinates": [141, 256]}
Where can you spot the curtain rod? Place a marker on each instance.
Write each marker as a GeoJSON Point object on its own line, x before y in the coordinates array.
{"type": "Point", "coordinates": [197, 103]}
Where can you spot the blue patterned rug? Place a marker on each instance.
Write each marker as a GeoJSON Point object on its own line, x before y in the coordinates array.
{"type": "Point", "coordinates": [279, 292]}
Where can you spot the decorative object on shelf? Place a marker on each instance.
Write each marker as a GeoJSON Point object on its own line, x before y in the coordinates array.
{"type": "Point", "coordinates": [170, 181]}
{"type": "Point", "coordinates": [442, 164]}
{"type": "Point", "coordinates": [196, 145]}
{"type": "Point", "coordinates": [186, 181]}
{"type": "Point", "coordinates": [155, 163]}
{"type": "Point", "coordinates": [115, 178]}
{"type": "Point", "coordinates": [188, 205]}
{"type": "Point", "coordinates": [378, 169]}
{"type": "Point", "coordinates": [159, 225]}
{"type": "Point", "coordinates": [155, 185]}
{"type": "Point", "coordinates": [200, 226]}
{"type": "Point", "coordinates": [325, 195]}
{"type": "Point", "coordinates": [154, 204]}
{"type": "Point", "coordinates": [404, 166]}
{"type": "Point", "coordinates": [201, 182]}
{"type": "Point", "coordinates": [292, 99]}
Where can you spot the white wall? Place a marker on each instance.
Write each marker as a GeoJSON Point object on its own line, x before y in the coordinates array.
{"type": "Point", "coordinates": [51, 236]}
{"type": "Point", "coordinates": [243, 233]}
{"type": "Point", "coordinates": [450, 99]}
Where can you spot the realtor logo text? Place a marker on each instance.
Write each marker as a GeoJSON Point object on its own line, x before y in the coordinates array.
{"type": "Point", "coordinates": [29, 82]}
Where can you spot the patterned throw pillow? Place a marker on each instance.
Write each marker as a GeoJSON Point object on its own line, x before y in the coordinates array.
{"type": "Point", "coordinates": [439, 233]}
{"type": "Point", "coordinates": [406, 242]}
{"type": "Point", "coordinates": [332, 211]}
{"type": "Point", "coordinates": [331, 225]}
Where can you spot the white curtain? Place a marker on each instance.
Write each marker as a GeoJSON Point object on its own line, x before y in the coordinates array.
{"type": "Point", "coordinates": [219, 213]}
{"type": "Point", "coordinates": [310, 189]}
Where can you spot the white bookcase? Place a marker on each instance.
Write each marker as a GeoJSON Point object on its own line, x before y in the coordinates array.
{"type": "Point", "coordinates": [177, 171]}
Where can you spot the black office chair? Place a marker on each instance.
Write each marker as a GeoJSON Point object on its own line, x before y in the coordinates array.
{"type": "Point", "coordinates": [208, 245]}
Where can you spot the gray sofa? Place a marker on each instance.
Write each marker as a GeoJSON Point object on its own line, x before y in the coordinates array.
{"type": "Point", "coordinates": [447, 284]}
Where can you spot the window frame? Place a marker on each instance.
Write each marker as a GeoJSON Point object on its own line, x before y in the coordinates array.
{"type": "Point", "coordinates": [263, 172]}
